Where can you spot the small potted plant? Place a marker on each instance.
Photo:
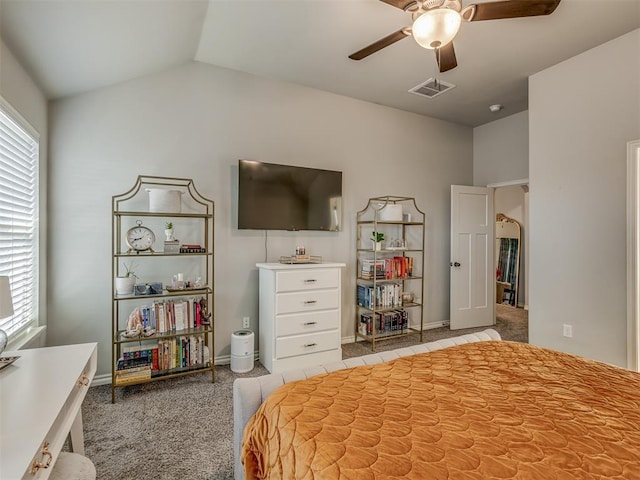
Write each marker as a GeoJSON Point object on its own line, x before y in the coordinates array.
{"type": "Point", "coordinates": [125, 283]}
{"type": "Point", "coordinates": [168, 232]}
{"type": "Point", "coordinates": [377, 238]}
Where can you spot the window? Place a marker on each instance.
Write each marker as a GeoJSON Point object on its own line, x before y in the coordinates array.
{"type": "Point", "coordinates": [18, 216]}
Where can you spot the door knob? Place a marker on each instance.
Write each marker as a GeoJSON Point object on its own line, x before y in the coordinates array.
{"type": "Point", "coordinates": [454, 264]}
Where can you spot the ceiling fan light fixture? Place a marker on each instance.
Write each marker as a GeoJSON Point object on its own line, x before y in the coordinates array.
{"type": "Point", "coordinates": [435, 28]}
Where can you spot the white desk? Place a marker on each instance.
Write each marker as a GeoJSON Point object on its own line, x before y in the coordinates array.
{"type": "Point", "coordinates": [40, 398]}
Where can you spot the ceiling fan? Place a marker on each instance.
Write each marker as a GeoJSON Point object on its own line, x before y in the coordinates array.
{"type": "Point", "coordinates": [436, 23]}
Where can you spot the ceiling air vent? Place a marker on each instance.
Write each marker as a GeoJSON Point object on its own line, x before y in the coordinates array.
{"type": "Point", "coordinates": [432, 88]}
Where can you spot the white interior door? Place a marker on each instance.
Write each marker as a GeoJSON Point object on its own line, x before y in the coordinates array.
{"type": "Point", "coordinates": [473, 277]}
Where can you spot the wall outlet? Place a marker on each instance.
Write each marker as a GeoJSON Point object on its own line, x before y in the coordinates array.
{"type": "Point", "coordinates": [567, 330]}
{"type": "Point", "coordinates": [246, 322]}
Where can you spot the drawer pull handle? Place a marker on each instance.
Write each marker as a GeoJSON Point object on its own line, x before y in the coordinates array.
{"type": "Point", "coordinates": [310, 323]}
{"type": "Point", "coordinates": [83, 381]}
{"type": "Point", "coordinates": [45, 453]}
{"type": "Point", "coordinates": [310, 344]}
{"type": "Point", "coordinates": [310, 280]}
{"type": "Point", "coordinates": [310, 302]}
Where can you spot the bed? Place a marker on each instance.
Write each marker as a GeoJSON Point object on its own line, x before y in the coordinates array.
{"type": "Point", "coordinates": [482, 408]}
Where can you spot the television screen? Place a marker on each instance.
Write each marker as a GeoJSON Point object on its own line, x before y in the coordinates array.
{"type": "Point", "coordinates": [282, 197]}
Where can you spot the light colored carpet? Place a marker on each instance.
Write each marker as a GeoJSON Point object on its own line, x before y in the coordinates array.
{"type": "Point", "coordinates": [182, 428]}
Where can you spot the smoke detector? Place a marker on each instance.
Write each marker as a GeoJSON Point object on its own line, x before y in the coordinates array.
{"type": "Point", "coordinates": [495, 108]}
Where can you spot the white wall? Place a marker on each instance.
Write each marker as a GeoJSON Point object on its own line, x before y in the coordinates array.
{"type": "Point", "coordinates": [501, 150]}
{"type": "Point", "coordinates": [196, 121]}
{"type": "Point", "coordinates": [23, 95]}
{"type": "Point", "coordinates": [582, 113]}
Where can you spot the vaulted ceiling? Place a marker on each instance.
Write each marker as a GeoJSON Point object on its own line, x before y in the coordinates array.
{"type": "Point", "coordinates": [72, 46]}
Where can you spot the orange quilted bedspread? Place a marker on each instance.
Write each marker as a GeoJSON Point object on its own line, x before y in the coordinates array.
{"type": "Point", "coordinates": [477, 411]}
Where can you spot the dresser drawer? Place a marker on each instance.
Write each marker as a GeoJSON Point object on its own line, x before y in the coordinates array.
{"type": "Point", "coordinates": [307, 279]}
{"type": "Point", "coordinates": [306, 344]}
{"type": "Point", "coordinates": [300, 323]}
{"type": "Point", "coordinates": [307, 301]}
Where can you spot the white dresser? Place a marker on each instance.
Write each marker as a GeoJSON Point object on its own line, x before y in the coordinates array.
{"type": "Point", "coordinates": [300, 313]}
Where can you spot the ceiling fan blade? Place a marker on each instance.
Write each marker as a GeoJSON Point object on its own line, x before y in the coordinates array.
{"type": "Point", "coordinates": [446, 57]}
{"type": "Point", "coordinates": [379, 45]}
{"type": "Point", "coordinates": [401, 4]}
{"type": "Point", "coordinates": [509, 9]}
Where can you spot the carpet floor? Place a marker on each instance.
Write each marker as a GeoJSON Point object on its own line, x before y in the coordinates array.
{"type": "Point", "coordinates": [182, 428]}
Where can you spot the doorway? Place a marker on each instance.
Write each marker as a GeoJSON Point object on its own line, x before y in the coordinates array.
{"type": "Point", "coordinates": [473, 272]}
{"type": "Point", "coordinates": [472, 280]}
{"type": "Point", "coordinates": [512, 201]}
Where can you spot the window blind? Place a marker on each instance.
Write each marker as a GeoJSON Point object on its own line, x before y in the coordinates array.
{"type": "Point", "coordinates": [18, 216]}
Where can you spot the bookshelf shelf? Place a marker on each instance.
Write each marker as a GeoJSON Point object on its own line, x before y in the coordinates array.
{"type": "Point", "coordinates": [123, 213]}
{"type": "Point", "coordinates": [175, 327]}
{"type": "Point", "coordinates": [389, 335]}
{"type": "Point", "coordinates": [386, 280]}
{"type": "Point", "coordinates": [389, 277]}
{"type": "Point", "coordinates": [165, 293]}
{"type": "Point", "coordinates": [118, 338]}
{"type": "Point", "coordinates": [389, 250]}
{"type": "Point", "coordinates": [160, 254]}
{"type": "Point", "coordinates": [165, 374]}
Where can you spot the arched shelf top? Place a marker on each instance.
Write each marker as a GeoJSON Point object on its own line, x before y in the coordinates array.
{"type": "Point", "coordinates": [133, 202]}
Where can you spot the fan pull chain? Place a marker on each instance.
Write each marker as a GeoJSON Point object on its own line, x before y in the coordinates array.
{"type": "Point", "coordinates": [436, 81]}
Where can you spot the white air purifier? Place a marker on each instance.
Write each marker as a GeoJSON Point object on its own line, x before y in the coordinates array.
{"type": "Point", "coordinates": [242, 351]}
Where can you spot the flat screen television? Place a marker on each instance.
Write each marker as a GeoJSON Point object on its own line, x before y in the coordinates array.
{"type": "Point", "coordinates": [283, 197]}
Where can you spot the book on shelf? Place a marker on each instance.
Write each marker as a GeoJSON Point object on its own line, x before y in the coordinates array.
{"type": "Point", "coordinates": [120, 372]}
{"type": "Point", "coordinates": [130, 379]}
{"type": "Point", "coordinates": [143, 373]}
{"type": "Point", "coordinates": [137, 356]}
{"type": "Point", "coordinates": [163, 354]}
{"type": "Point", "coordinates": [380, 296]}
{"type": "Point", "coordinates": [386, 323]}
{"type": "Point", "coordinates": [175, 314]}
{"type": "Point", "coordinates": [191, 248]}
{"type": "Point", "coordinates": [133, 363]}
{"type": "Point", "coordinates": [133, 370]}
{"type": "Point", "coordinates": [179, 314]}
{"type": "Point", "coordinates": [368, 266]}
{"type": "Point", "coordinates": [386, 268]}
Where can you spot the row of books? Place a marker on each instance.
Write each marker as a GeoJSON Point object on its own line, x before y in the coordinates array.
{"type": "Point", "coordinates": [176, 314]}
{"type": "Point", "coordinates": [386, 268]}
{"type": "Point", "coordinates": [131, 375]}
{"type": "Point", "coordinates": [386, 323]}
{"type": "Point", "coordinates": [155, 356]}
{"type": "Point", "coordinates": [190, 248]}
{"type": "Point", "coordinates": [385, 295]}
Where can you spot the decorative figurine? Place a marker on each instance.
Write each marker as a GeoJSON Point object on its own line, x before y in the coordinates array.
{"type": "Point", "coordinates": [205, 315]}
